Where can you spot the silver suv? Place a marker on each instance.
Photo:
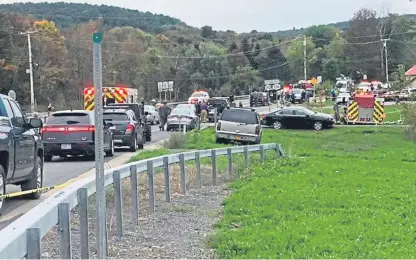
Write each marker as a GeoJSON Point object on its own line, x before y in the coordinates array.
{"type": "Point", "coordinates": [238, 125]}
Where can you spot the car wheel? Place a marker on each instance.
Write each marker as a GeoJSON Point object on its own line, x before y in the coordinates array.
{"type": "Point", "coordinates": [133, 146]}
{"type": "Point", "coordinates": [48, 158]}
{"type": "Point", "coordinates": [318, 125]}
{"type": "Point", "coordinates": [141, 146]}
{"type": "Point", "coordinates": [110, 153]}
{"type": "Point", "coordinates": [277, 125]}
{"type": "Point", "coordinates": [35, 181]}
{"type": "Point", "coordinates": [154, 121]}
{"type": "Point", "coordinates": [2, 189]}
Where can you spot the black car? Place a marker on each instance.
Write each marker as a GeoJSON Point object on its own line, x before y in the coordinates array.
{"type": "Point", "coordinates": [259, 99]}
{"type": "Point", "coordinates": [219, 104]}
{"type": "Point", "coordinates": [141, 115]}
{"type": "Point", "coordinates": [127, 131]}
{"type": "Point", "coordinates": [72, 132]}
{"type": "Point", "coordinates": [21, 150]}
{"type": "Point", "coordinates": [298, 117]}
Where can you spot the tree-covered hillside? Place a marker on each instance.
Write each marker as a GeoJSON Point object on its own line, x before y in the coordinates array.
{"type": "Point", "coordinates": [65, 15]}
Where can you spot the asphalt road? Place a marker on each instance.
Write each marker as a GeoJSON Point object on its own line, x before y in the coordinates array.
{"type": "Point", "coordinates": [61, 170]}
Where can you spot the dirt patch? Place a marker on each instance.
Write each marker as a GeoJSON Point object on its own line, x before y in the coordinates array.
{"type": "Point", "coordinates": [179, 229]}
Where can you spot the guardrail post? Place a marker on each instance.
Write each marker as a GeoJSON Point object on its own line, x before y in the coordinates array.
{"type": "Point", "coordinates": [280, 150]}
{"type": "Point", "coordinates": [277, 149]}
{"type": "Point", "coordinates": [214, 167]}
{"type": "Point", "coordinates": [33, 243]}
{"type": "Point", "coordinates": [151, 186]}
{"type": "Point", "coordinates": [246, 158]}
{"type": "Point", "coordinates": [64, 231]}
{"type": "Point", "coordinates": [119, 203]}
{"type": "Point", "coordinates": [261, 153]}
{"type": "Point", "coordinates": [134, 195]}
{"type": "Point", "coordinates": [83, 222]}
{"type": "Point", "coordinates": [198, 170]}
{"type": "Point", "coordinates": [182, 174]}
{"type": "Point", "coordinates": [230, 161]}
{"type": "Point", "coordinates": [167, 179]}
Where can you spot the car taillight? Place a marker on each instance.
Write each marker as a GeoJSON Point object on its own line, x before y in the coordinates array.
{"type": "Point", "coordinates": [257, 130]}
{"type": "Point", "coordinates": [129, 128]}
{"type": "Point", "coordinates": [219, 126]}
{"type": "Point", "coordinates": [90, 128]}
{"type": "Point", "coordinates": [263, 116]}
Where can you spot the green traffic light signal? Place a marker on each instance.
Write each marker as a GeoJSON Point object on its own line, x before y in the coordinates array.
{"type": "Point", "coordinates": [97, 37]}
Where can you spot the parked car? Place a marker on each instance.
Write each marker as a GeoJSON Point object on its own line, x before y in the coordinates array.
{"type": "Point", "coordinates": [152, 116]}
{"type": "Point", "coordinates": [72, 133]}
{"type": "Point", "coordinates": [183, 115]}
{"type": "Point", "coordinates": [298, 117]}
{"type": "Point", "coordinates": [258, 99]}
{"type": "Point", "coordinates": [21, 150]}
{"type": "Point", "coordinates": [218, 103]}
{"type": "Point", "coordinates": [296, 95]}
{"type": "Point", "coordinates": [138, 109]}
{"type": "Point", "coordinates": [198, 96]}
{"type": "Point", "coordinates": [127, 130]}
{"type": "Point", "coordinates": [239, 125]}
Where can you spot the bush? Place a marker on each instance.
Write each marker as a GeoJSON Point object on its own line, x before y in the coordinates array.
{"type": "Point", "coordinates": [409, 114]}
{"type": "Point", "coordinates": [175, 141]}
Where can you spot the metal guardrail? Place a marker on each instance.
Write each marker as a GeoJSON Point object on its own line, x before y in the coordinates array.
{"type": "Point", "coordinates": [22, 238]}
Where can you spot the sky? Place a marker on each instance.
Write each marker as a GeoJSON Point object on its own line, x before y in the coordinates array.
{"type": "Point", "coordinates": [260, 15]}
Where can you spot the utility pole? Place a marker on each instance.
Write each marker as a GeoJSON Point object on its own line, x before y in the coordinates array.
{"type": "Point", "coordinates": [304, 58]}
{"type": "Point", "coordinates": [101, 240]}
{"type": "Point", "coordinates": [32, 91]}
{"type": "Point", "coordinates": [387, 63]}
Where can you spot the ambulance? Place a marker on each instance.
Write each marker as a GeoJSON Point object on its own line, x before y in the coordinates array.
{"type": "Point", "coordinates": [365, 108]}
{"type": "Point", "coordinates": [111, 95]}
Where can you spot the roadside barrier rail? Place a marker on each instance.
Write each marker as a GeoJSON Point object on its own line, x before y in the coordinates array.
{"type": "Point", "coordinates": [22, 238]}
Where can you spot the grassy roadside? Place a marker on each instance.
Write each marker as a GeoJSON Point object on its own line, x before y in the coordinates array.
{"type": "Point", "coordinates": [343, 193]}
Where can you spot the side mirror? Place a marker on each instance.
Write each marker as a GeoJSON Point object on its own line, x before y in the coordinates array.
{"type": "Point", "coordinates": [146, 113]}
{"type": "Point", "coordinates": [308, 116]}
{"type": "Point", "coordinates": [35, 123]}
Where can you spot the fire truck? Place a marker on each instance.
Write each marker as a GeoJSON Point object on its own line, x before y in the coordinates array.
{"type": "Point", "coordinates": [365, 108]}
{"type": "Point", "coordinates": [111, 95]}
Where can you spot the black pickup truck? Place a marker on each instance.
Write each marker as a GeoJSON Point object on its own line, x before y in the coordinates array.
{"type": "Point", "coordinates": [21, 149]}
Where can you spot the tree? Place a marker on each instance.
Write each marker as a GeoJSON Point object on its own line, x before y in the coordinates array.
{"type": "Point", "coordinates": [321, 34]}
{"type": "Point", "coordinates": [207, 32]}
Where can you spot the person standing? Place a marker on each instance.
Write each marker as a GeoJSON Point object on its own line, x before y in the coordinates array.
{"type": "Point", "coordinates": [163, 113]}
{"type": "Point", "coordinates": [204, 112]}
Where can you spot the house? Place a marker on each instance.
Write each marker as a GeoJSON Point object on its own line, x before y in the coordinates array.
{"type": "Point", "coordinates": [411, 77]}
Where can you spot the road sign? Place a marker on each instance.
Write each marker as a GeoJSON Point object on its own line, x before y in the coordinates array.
{"type": "Point", "coordinates": [170, 83]}
{"type": "Point", "coordinates": [159, 86]}
{"type": "Point", "coordinates": [101, 240]}
{"type": "Point", "coordinates": [165, 86]}
{"type": "Point", "coordinates": [319, 78]}
{"type": "Point", "coordinates": [271, 82]}
{"type": "Point", "coordinates": [314, 81]}
{"type": "Point", "coordinates": [12, 94]}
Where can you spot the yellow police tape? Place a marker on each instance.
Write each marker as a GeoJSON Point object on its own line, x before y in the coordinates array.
{"type": "Point", "coordinates": [22, 193]}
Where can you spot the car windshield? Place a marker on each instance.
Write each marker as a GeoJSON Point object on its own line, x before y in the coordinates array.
{"type": "Point", "coordinates": [297, 91]}
{"type": "Point", "coordinates": [115, 116]}
{"type": "Point", "coordinates": [68, 119]}
{"type": "Point", "coordinates": [148, 108]}
{"type": "Point", "coordinates": [181, 111]}
{"type": "Point", "coordinates": [240, 116]}
{"type": "Point", "coordinates": [197, 94]}
{"type": "Point", "coordinates": [344, 95]}
{"type": "Point", "coordinates": [217, 102]}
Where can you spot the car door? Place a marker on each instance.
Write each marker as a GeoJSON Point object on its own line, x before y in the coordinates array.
{"type": "Point", "coordinates": [300, 119]}
{"type": "Point", "coordinates": [12, 142]}
{"type": "Point", "coordinates": [287, 118]}
{"type": "Point", "coordinates": [25, 143]}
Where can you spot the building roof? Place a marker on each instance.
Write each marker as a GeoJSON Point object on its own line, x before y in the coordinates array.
{"type": "Point", "coordinates": [411, 71]}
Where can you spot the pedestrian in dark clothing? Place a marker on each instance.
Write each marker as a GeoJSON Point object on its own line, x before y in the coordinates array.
{"type": "Point", "coordinates": [164, 112]}
{"type": "Point", "coordinates": [198, 108]}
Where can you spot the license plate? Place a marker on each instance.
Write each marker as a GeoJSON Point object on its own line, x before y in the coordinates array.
{"type": "Point", "coordinates": [238, 137]}
{"type": "Point", "coordinates": [66, 146]}
{"type": "Point", "coordinates": [116, 141]}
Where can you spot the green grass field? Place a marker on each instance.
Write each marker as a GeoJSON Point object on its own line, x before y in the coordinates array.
{"type": "Point", "coordinates": [342, 193]}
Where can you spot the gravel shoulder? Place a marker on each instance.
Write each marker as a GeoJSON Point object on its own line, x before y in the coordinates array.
{"type": "Point", "coordinates": [179, 229]}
